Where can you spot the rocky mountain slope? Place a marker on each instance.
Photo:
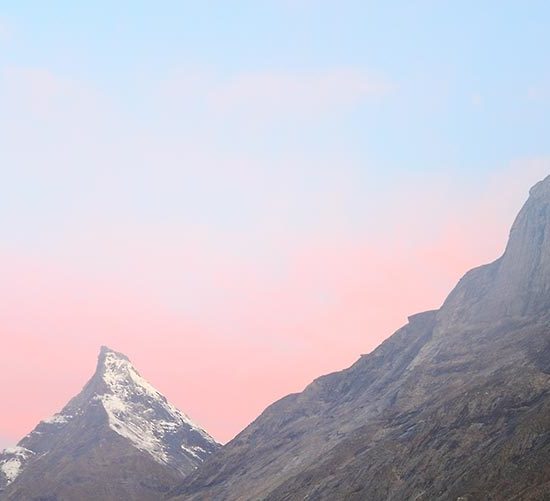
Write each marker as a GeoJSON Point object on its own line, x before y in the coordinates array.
{"type": "Point", "coordinates": [118, 439]}
{"type": "Point", "coordinates": [453, 406]}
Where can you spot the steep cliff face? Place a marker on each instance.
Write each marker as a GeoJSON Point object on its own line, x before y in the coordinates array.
{"type": "Point", "coordinates": [455, 405]}
{"type": "Point", "coordinates": [117, 439]}
{"type": "Point", "coordinates": [517, 284]}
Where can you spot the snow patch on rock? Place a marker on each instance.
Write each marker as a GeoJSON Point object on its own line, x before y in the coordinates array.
{"type": "Point", "coordinates": [13, 462]}
{"type": "Point", "coordinates": [57, 419]}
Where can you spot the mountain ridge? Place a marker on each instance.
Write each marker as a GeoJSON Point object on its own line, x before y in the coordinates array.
{"type": "Point", "coordinates": [454, 405]}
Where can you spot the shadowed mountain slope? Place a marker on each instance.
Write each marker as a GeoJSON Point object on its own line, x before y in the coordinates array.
{"type": "Point", "coordinates": [455, 405]}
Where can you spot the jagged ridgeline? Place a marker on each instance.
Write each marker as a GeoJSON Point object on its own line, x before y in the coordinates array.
{"type": "Point", "coordinates": [118, 439]}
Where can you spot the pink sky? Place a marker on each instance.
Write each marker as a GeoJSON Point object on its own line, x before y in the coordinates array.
{"type": "Point", "coordinates": [243, 206]}
{"type": "Point", "coordinates": [224, 333]}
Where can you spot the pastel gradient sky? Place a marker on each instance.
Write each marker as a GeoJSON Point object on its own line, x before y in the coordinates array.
{"type": "Point", "coordinates": [242, 196]}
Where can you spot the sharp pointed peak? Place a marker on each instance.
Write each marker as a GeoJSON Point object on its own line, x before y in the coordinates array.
{"type": "Point", "coordinates": [105, 352]}
{"type": "Point", "coordinates": [119, 400]}
{"type": "Point", "coordinates": [110, 360]}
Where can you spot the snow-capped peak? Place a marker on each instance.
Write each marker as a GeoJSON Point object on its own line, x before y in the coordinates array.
{"type": "Point", "coordinates": [140, 413]}
{"type": "Point", "coordinates": [117, 413]}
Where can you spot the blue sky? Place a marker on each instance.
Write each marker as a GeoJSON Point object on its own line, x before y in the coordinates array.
{"type": "Point", "coordinates": [470, 79]}
{"type": "Point", "coordinates": [461, 88]}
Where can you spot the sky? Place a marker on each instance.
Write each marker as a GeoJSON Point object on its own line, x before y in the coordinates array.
{"type": "Point", "coordinates": [242, 196]}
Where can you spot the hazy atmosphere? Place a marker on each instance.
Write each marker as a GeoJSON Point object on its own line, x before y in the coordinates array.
{"type": "Point", "coordinates": [245, 197]}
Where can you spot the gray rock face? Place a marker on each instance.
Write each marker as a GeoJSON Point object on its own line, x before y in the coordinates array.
{"type": "Point", "coordinates": [118, 439]}
{"type": "Point", "coordinates": [517, 284]}
{"type": "Point", "coordinates": [455, 405]}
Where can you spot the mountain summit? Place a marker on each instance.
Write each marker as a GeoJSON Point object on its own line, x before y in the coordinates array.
{"type": "Point", "coordinates": [454, 406]}
{"type": "Point", "coordinates": [518, 283]}
{"type": "Point", "coordinates": [119, 438]}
